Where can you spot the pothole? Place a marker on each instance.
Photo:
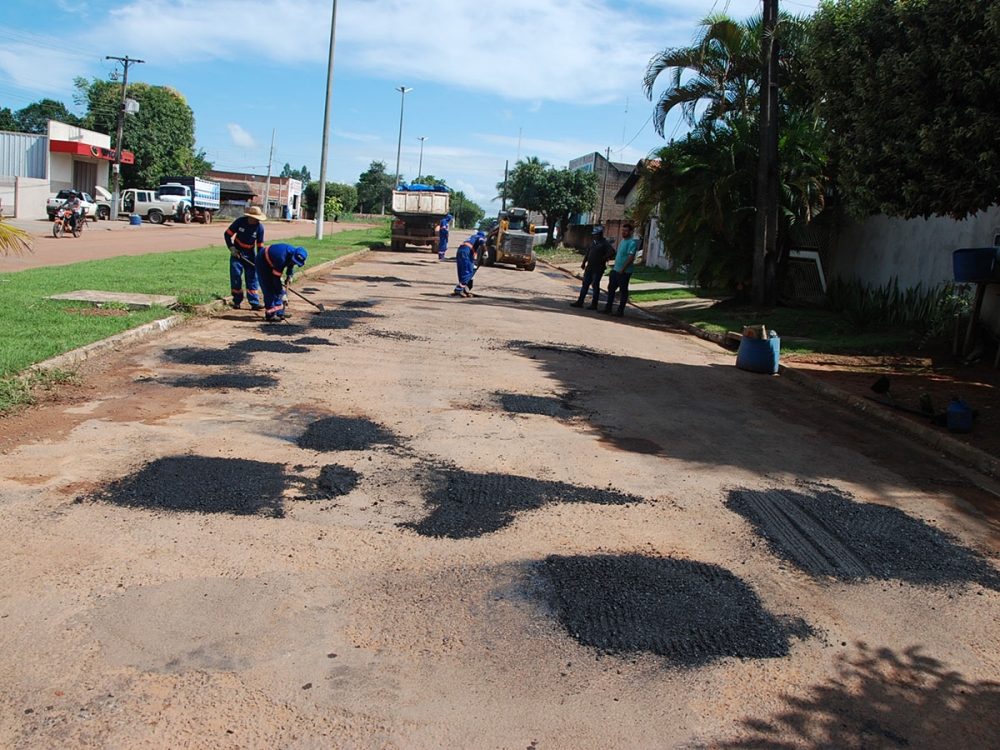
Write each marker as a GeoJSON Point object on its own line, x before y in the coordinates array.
{"type": "Point", "coordinates": [345, 434]}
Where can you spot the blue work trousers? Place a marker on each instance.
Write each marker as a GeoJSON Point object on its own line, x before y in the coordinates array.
{"type": "Point", "coordinates": [237, 270]}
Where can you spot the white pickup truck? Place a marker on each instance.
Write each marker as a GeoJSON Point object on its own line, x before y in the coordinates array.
{"type": "Point", "coordinates": [145, 203]}
{"type": "Point", "coordinates": [88, 209]}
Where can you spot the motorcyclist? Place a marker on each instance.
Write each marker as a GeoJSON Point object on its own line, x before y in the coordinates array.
{"type": "Point", "coordinates": [75, 204]}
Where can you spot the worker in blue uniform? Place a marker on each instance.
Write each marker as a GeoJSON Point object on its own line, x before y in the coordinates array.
{"type": "Point", "coordinates": [243, 238]}
{"type": "Point", "coordinates": [466, 265]}
{"type": "Point", "coordinates": [444, 229]}
{"type": "Point", "coordinates": [272, 262]}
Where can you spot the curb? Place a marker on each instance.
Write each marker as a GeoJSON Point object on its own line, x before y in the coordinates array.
{"type": "Point", "coordinates": [981, 461]}
{"type": "Point", "coordinates": [75, 356]}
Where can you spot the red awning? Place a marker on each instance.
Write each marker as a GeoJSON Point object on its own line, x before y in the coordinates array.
{"type": "Point", "coordinates": [85, 149]}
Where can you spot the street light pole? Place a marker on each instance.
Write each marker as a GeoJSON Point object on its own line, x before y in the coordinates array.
{"type": "Point", "coordinates": [399, 147]}
{"type": "Point", "coordinates": [116, 168]}
{"type": "Point", "coordinates": [321, 195]}
{"type": "Point", "coordinates": [420, 164]}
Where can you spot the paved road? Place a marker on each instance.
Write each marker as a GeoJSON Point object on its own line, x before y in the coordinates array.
{"type": "Point", "coordinates": [421, 521]}
{"type": "Point", "coordinates": [105, 239]}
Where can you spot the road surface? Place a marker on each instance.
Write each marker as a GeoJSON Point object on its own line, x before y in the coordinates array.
{"type": "Point", "coordinates": [422, 521]}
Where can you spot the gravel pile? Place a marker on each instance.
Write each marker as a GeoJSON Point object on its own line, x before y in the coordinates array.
{"type": "Point", "coordinates": [202, 485]}
{"type": "Point", "coordinates": [345, 434]}
{"type": "Point", "coordinates": [827, 533]}
{"type": "Point", "coordinates": [222, 380]}
{"type": "Point", "coordinates": [689, 612]}
{"type": "Point", "coordinates": [548, 406]}
{"type": "Point", "coordinates": [464, 505]}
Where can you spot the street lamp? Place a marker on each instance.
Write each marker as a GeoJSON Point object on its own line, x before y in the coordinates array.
{"type": "Point", "coordinates": [321, 198]}
{"type": "Point", "coordinates": [399, 147]}
{"type": "Point", "coordinates": [420, 167]}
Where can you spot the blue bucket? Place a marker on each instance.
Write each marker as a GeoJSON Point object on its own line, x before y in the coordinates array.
{"type": "Point", "coordinates": [135, 220]}
{"type": "Point", "coordinates": [974, 264]}
{"type": "Point", "coordinates": [959, 416]}
{"type": "Point", "coordinates": [759, 355]}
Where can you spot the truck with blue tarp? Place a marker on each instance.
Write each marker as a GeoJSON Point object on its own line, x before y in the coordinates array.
{"type": "Point", "coordinates": [417, 210]}
{"type": "Point", "coordinates": [198, 198]}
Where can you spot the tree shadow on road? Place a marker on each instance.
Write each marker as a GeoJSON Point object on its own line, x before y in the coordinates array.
{"type": "Point", "coordinates": [881, 699]}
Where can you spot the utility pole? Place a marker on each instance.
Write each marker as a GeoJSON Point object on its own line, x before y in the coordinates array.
{"type": "Point", "coordinates": [766, 223]}
{"type": "Point", "coordinates": [116, 168]}
{"type": "Point", "coordinates": [267, 188]}
{"type": "Point", "coordinates": [503, 202]}
{"type": "Point", "coordinates": [399, 148]}
{"type": "Point", "coordinates": [321, 198]}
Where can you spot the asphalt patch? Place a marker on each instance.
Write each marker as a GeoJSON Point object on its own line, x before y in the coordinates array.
{"type": "Point", "coordinates": [282, 328]}
{"type": "Point", "coordinates": [377, 279]}
{"type": "Point", "coordinates": [689, 612]}
{"type": "Point", "coordinates": [335, 481]}
{"type": "Point", "coordinates": [189, 355]}
{"type": "Point", "coordinates": [464, 505]}
{"type": "Point", "coordinates": [397, 335]}
{"type": "Point", "coordinates": [530, 346]}
{"type": "Point", "coordinates": [359, 303]}
{"type": "Point", "coordinates": [197, 484]}
{"type": "Point", "coordinates": [222, 380]}
{"type": "Point", "coordinates": [339, 319]}
{"type": "Point", "coordinates": [827, 533]}
{"type": "Point", "coordinates": [345, 434]}
{"type": "Point", "coordinates": [315, 341]}
{"type": "Point", "coordinates": [267, 345]}
{"type": "Point", "coordinates": [548, 406]}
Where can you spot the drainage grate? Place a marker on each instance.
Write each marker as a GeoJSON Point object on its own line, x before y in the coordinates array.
{"type": "Point", "coordinates": [689, 612]}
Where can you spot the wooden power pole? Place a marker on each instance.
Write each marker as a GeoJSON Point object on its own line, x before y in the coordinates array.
{"type": "Point", "coordinates": [766, 226]}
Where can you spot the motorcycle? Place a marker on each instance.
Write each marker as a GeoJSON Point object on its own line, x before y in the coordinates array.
{"type": "Point", "coordinates": [64, 223]}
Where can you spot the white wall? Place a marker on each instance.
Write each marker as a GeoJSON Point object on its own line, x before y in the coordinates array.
{"type": "Point", "coordinates": [60, 131]}
{"type": "Point", "coordinates": [913, 251]}
{"type": "Point", "coordinates": [32, 195]}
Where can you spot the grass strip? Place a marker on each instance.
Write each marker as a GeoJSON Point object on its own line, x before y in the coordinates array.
{"type": "Point", "coordinates": [34, 329]}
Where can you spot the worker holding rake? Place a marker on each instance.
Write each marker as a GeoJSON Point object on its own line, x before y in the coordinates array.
{"type": "Point", "coordinates": [272, 262]}
{"type": "Point", "coordinates": [243, 238]}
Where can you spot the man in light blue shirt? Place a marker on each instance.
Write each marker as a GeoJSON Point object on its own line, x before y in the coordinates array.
{"type": "Point", "coordinates": [621, 274]}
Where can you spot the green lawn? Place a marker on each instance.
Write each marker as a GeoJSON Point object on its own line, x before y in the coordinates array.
{"type": "Point", "coordinates": [34, 329]}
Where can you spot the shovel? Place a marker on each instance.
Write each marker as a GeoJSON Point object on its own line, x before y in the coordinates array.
{"type": "Point", "coordinates": [317, 305]}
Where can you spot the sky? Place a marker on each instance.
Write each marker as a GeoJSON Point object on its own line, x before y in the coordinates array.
{"type": "Point", "coordinates": [490, 82]}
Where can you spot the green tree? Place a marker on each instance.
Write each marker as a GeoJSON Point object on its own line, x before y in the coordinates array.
{"type": "Point", "coordinates": [346, 194]}
{"type": "Point", "coordinates": [430, 180]}
{"type": "Point", "coordinates": [35, 117]}
{"type": "Point", "coordinates": [296, 174]}
{"type": "Point", "coordinates": [333, 208]}
{"type": "Point", "coordinates": [909, 92]}
{"type": "Point", "coordinates": [7, 121]}
{"type": "Point", "coordinates": [467, 213]}
{"type": "Point", "coordinates": [521, 181]}
{"type": "Point", "coordinates": [374, 188]}
{"type": "Point", "coordinates": [161, 135]}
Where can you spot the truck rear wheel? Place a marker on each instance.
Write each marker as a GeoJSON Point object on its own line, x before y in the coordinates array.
{"type": "Point", "coordinates": [103, 213]}
{"type": "Point", "coordinates": [206, 217]}
{"type": "Point", "coordinates": [155, 217]}
{"type": "Point", "coordinates": [186, 217]}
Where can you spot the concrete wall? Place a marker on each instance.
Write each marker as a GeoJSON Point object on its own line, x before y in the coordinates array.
{"type": "Point", "coordinates": [913, 251]}
{"type": "Point", "coordinates": [60, 131]}
{"type": "Point", "coordinates": [31, 197]}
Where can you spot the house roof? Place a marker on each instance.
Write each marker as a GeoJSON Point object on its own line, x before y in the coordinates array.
{"type": "Point", "coordinates": [236, 188]}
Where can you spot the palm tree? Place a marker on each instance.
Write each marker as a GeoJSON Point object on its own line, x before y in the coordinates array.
{"type": "Point", "coordinates": [13, 241]}
{"type": "Point", "coordinates": [718, 76]}
{"type": "Point", "coordinates": [524, 174]}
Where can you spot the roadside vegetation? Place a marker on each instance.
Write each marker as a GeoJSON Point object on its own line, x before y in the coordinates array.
{"type": "Point", "coordinates": [34, 329]}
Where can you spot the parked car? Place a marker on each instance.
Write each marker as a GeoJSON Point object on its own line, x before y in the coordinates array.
{"type": "Point", "coordinates": [88, 209]}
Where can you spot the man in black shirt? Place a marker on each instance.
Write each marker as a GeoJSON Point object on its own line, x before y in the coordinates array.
{"type": "Point", "coordinates": [594, 264]}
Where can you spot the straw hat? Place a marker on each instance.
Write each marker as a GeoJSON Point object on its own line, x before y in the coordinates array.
{"type": "Point", "coordinates": [255, 212]}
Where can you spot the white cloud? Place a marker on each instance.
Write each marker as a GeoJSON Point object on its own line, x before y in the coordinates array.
{"type": "Point", "coordinates": [241, 138]}
{"type": "Point", "coordinates": [361, 137]}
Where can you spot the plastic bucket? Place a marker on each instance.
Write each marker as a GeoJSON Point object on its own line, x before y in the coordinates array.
{"type": "Point", "coordinates": [959, 416]}
{"type": "Point", "coordinates": [135, 220]}
{"type": "Point", "coordinates": [974, 264]}
{"type": "Point", "coordinates": [759, 355]}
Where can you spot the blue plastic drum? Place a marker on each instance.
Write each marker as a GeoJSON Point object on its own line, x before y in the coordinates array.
{"type": "Point", "coordinates": [135, 220]}
{"type": "Point", "coordinates": [759, 355]}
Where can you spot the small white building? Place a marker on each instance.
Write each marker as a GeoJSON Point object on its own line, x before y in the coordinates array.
{"type": "Point", "coordinates": [32, 167]}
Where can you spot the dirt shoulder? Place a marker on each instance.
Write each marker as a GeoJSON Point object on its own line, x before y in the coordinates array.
{"type": "Point", "coordinates": [423, 521]}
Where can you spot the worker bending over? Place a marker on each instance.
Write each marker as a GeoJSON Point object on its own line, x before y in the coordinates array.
{"type": "Point", "coordinates": [272, 262]}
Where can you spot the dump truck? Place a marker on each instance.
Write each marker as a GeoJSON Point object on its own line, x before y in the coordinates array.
{"type": "Point", "coordinates": [511, 240]}
{"type": "Point", "coordinates": [417, 210]}
{"type": "Point", "coordinates": [199, 199]}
